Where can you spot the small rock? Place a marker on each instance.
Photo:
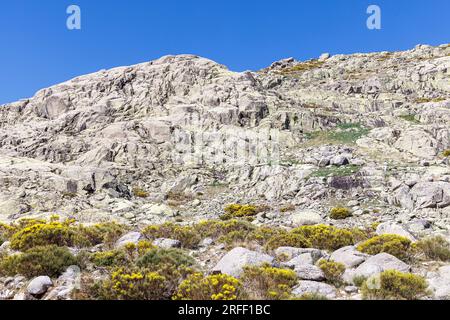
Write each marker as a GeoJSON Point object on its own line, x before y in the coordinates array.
{"type": "Point", "coordinates": [313, 287]}
{"type": "Point", "coordinates": [167, 243]}
{"type": "Point", "coordinates": [306, 218]}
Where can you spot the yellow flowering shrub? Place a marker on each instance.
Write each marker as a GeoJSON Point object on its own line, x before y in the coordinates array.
{"type": "Point", "coordinates": [268, 283]}
{"type": "Point", "coordinates": [133, 284]}
{"type": "Point", "coordinates": [393, 244]}
{"type": "Point", "coordinates": [212, 287]}
{"type": "Point", "coordinates": [239, 211]}
{"type": "Point", "coordinates": [41, 234]}
{"type": "Point", "coordinates": [395, 285]}
{"type": "Point", "coordinates": [339, 213]}
{"type": "Point", "coordinates": [287, 239]}
{"type": "Point", "coordinates": [332, 270]}
{"type": "Point", "coordinates": [326, 237]}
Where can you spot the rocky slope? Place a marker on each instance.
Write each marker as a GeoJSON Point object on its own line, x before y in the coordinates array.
{"type": "Point", "coordinates": [178, 138]}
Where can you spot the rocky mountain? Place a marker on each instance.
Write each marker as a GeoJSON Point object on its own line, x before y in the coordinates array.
{"type": "Point", "coordinates": [179, 138]}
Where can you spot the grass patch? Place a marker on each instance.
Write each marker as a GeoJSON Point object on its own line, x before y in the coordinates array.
{"type": "Point", "coordinates": [345, 133]}
{"type": "Point", "coordinates": [343, 171]}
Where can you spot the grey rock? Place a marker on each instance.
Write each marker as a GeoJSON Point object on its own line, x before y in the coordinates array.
{"type": "Point", "coordinates": [309, 272]}
{"type": "Point", "coordinates": [313, 287]}
{"type": "Point", "coordinates": [349, 256]}
{"type": "Point", "coordinates": [38, 286]}
{"type": "Point", "coordinates": [235, 260]}
{"type": "Point", "coordinates": [167, 243]}
{"type": "Point", "coordinates": [393, 228]}
{"type": "Point", "coordinates": [379, 263]}
{"type": "Point", "coordinates": [131, 237]}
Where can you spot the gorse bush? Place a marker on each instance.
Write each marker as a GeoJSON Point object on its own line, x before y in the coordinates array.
{"type": "Point", "coordinates": [392, 284]}
{"type": "Point", "coordinates": [435, 248]}
{"type": "Point", "coordinates": [267, 283]}
{"type": "Point", "coordinates": [41, 234]}
{"type": "Point", "coordinates": [395, 245]}
{"type": "Point", "coordinates": [43, 260]}
{"type": "Point", "coordinates": [332, 270]}
{"type": "Point", "coordinates": [133, 284]}
{"type": "Point", "coordinates": [326, 237]}
{"type": "Point", "coordinates": [339, 213]}
{"type": "Point", "coordinates": [239, 211]}
{"type": "Point", "coordinates": [287, 239]}
{"type": "Point", "coordinates": [212, 287]}
{"type": "Point", "coordinates": [32, 233]}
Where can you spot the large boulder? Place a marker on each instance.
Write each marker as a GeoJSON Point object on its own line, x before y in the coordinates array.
{"type": "Point", "coordinates": [431, 194]}
{"type": "Point", "coordinates": [393, 228]}
{"type": "Point", "coordinates": [235, 260]}
{"type": "Point", "coordinates": [439, 283]}
{"type": "Point", "coordinates": [377, 264]}
{"type": "Point", "coordinates": [349, 256]}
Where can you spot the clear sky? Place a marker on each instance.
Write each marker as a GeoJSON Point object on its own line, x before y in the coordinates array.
{"type": "Point", "coordinates": [37, 50]}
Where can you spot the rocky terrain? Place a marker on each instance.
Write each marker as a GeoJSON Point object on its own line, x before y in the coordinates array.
{"type": "Point", "coordinates": [180, 138]}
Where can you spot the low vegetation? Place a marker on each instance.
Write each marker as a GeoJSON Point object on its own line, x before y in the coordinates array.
{"type": "Point", "coordinates": [435, 248]}
{"type": "Point", "coordinates": [339, 213]}
{"type": "Point", "coordinates": [43, 260]}
{"type": "Point", "coordinates": [332, 270]}
{"type": "Point", "coordinates": [395, 245]}
{"type": "Point", "coordinates": [395, 285]}
{"type": "Point", "coordinates": [346, 133]}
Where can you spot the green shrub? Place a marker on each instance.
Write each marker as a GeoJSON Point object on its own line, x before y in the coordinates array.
{"type": "Point", "coordinates": [310, 297]}
{"type": "Point", "coordinates": [446, 153]}
{"type": "Point", "coordinates": [171, 256]}
{"type": "Point", "coordinates": [212, 287]}
{"type": "Point", "coordinates": [187, 235]}
{"type": "Point", "coordinates": [267, 283]}
{"type": "Point", "coordinates": [339, 213]}
{"type": "Point", "coordinates": [326, 237]}
{"type": "Point", "coordinates": [43, 260]}
{"type": "Point", "coordinates": [393, 244]}
{"type": "Point", "coordinates": [106, 233]}
{"type": "Point", "coordinates": [333, 271]}
{"type": "Point", "coordinates": [436, 248]}
{"type": "Point", "coordinates": [392, 284]}
{"type": "Point", "coordinates": [109, 258]}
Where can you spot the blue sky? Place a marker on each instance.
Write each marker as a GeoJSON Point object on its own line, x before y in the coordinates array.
{"type": "Point", "coordinates": [37, 50]}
